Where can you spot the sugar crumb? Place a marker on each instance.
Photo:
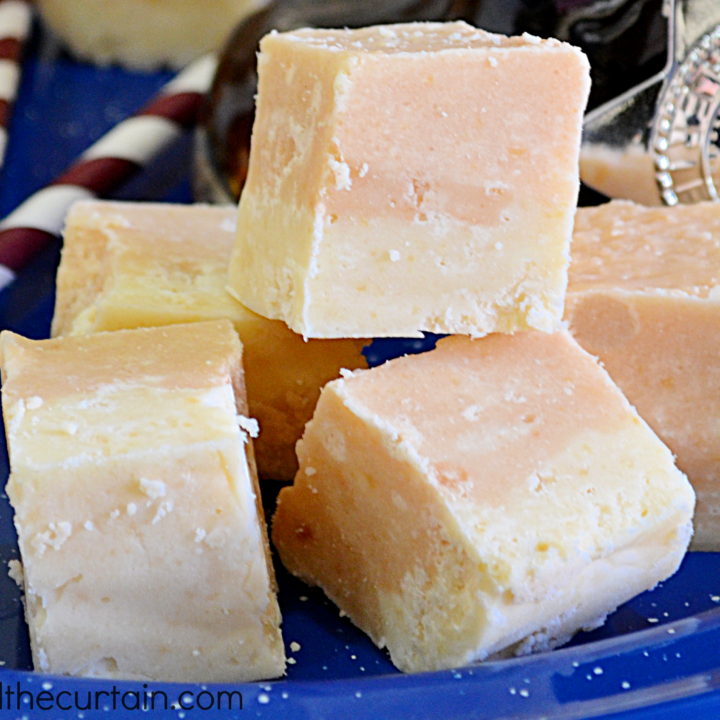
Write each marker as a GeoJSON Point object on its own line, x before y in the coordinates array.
{"type": "Point", "coordinates": [249, 425]}
{"type": "Point", "coordinates": [532, 39]}
{"type": "Point", "coordinates": [154, 489]}
{"type": "Point", "coordinates": [15, 572]}
{"type": "Point", "coordinates": [341, 171]}
{"type": "Point", "coordinates": [163, 509]}
{"type": "Point", "coordinates": [493, 62]}
{"type": "Point", "coordinates": [294, 646]}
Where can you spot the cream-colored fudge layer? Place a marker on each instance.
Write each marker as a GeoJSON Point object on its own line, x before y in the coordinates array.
{"type": "Point", "coordinates": [410, 177]}
{"type": "Point", "coordinates": [136, 502]}
{"type": "Point", "coordinates": [144, 34]}
{"type": "Point", "coordinates": [128, 265]}
{"type": "Point", "coordinates": [644, 297]}
{"type": "Point", "coordinates": [489, 497]}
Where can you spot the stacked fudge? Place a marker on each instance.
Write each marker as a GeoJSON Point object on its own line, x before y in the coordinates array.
{"type": "Point", "coordinates": [493, 496]}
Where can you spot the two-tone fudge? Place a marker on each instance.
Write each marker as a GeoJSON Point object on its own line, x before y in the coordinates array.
{"type": "Point", "coordinates": [644, 297]}
{"type": "Point", "coordinates": [410, 177]}
{"type": "Point", "coordinates": [143, 542]}
{"type": "Point", "coordinates": [489, 497]}
{"type": "Point", "coordinates": [128, 265]}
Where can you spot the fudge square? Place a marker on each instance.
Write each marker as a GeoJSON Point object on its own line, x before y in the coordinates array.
{"type": "Point", "coordinates": [490, 497]}
{"type": "Point", "coordinates": [143, 543]}
{"type": "Point", "coordinates": [410, 177]}
{"type": "Point", "coordinates": [128, 265]}
{"type": "Point", "coordinates": [643, 297]}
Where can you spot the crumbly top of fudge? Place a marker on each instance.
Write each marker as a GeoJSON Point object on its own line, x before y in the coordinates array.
{"type": "Point", "coordinates": [177, 357]}
{"type": "Point", "coordinates": [421, 37]}
{"type": "Point", "coordinates": [82, 399]}
{"type": "Point", "coordinates": [621, 245]}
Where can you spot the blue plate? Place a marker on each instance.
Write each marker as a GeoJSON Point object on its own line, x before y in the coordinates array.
{"type": "Point", "coordinates": [657, 656]}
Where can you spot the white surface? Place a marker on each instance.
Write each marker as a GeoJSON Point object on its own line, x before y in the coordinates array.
{"type": "Point", "coordinates": [15, 19]}
{"type": "Point", "coordinates": [9, 79]}
{"type": "Point", "coordinates": [137, 139]}
{"type": "Point", "coordinates": [196, 77]}
{"type": "Point", "coordinates": [46, 209]}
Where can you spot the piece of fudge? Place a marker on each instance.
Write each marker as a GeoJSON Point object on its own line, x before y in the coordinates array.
{"type": "Point", "coordinates": [144, 34]}
{"type": "Point", "coordinates": [142, 537]}
{"type": "Point", "coordinates": [410, 177]}
{"type": "Point", "coordinates": [643, 297]}
{"type": "Point", "coordinates": [128, 265]}
{"type": "Point", "coordinates": [490, 497]}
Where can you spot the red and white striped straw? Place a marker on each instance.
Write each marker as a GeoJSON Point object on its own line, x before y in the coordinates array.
{"type": "Point", "coordinates": [104, 166]}
{"type": "Point", "coordinates": [15, 24]}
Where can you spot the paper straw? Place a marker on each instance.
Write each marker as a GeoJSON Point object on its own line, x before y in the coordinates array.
{"type": "Point", "coordinates": [104, 166]}
{"type": "Point", "coordinates": [15, 24]}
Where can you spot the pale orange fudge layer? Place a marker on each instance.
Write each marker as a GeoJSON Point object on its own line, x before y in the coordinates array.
{"type": "Point", "coordinates": [410, 177]}
{"type": "Point", "coordinates": [644, 297]}
{"type": "Point", "coordinates": [488, 498]}
{"type": "Point", "coordinates": [129, 265]}
{"type": "Point", "coordinates": [143, 543]}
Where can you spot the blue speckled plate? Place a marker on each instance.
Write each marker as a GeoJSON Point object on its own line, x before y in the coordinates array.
{"type": "Point", "coordinates": [657, 656]}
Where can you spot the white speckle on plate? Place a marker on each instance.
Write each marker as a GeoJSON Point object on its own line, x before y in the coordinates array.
{"type": "Point", "coordinates": [263, 699]}
{"type": "Point", "coordinates": [524, 693]}
{"type": "Point", "coordinates": [598, 670]}
{"type": "Point", "coordinates": [625, 685]}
